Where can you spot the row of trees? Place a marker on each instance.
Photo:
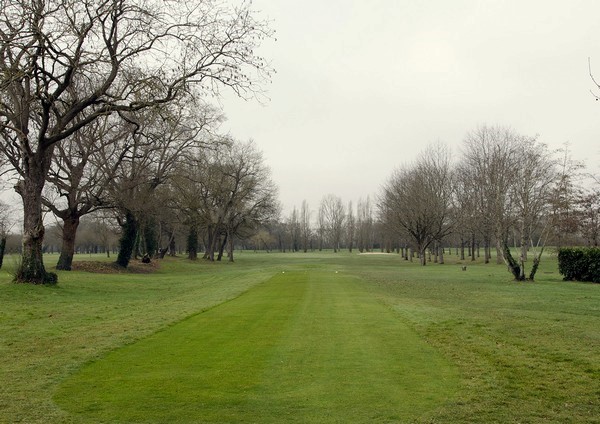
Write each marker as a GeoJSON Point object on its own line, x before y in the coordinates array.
{"type": "Point", "coordinates": [506, 189]}
{"type": "Point", "coordinates": [106, 96]}
{"type": "Point", "coordinates": [333, 226]}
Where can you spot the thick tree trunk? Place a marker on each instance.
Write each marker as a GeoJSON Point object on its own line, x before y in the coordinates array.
{"type": "Point", "coordinates": [2, 249]}
{"type": "Point", "coordinates": [422, 255]}
{"type": "Point", "coordinates": [536, 264]}
{"type": "Point", "coordinates": [150, 238]}
{"type": "Point", "coordinates": [513, 265]}
{"type": "Point", "coordinates": [67, 251]}
{"type": "Point", "coordinates": [172, 247]}
{"type": "Point", "coordinates": [31, 269]}
{"type": "Point", "coordinates": [193, 243]}
{"type": "Point", "coordinates": [207, 247]}
{"type": "Point", "coordinates": [523, 255]}
{"type": "Point", "coordinates": [128, 240]}
{"type": "Point", "coordinates": [499, 258]}
{"type": "Point", "coordinates": [212, 248]}
{"type": "Point", "coordinates": [222, 245]}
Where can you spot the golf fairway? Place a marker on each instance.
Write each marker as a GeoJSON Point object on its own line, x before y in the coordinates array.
{"type": "Point", "coordinates": [305, 346]}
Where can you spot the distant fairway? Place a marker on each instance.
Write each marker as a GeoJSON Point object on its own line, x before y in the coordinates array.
{"type": "Point", "coordinates": [305, 346]}
{"type": "Point", "coordinates": [316, 337]}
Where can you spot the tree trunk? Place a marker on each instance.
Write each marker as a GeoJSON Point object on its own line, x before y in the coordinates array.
{"type": "Point", "coordinates": [193, 243]}
{"type": "Point", "coordinates": [499, 258]}
{"type": "Point", "coordinates": [513, 266]}
{"type": "Point", "coordinates": [31, 269]}
{"type": "Point", "coordinates": [230, 250]}
{"type": "Point", "coordinates": [222, 247]}
{"type": "Point", "coordinates": [486, 250]}
{"type": "Point", "coordinates": [172, 250]}
{"type": "Point", "coordinates": [128, 240]}
{"type": "Point", "coordinates": [523, 255]}
{"type": "Point", "coordinates": [536, 264]}
{"type": "Point", "coordinates": [150, 238]}
{"type": "Point", "coordinates": [2, 249]}
{"type": "Point", "coordinates": [67, 251]}
{"type": "Point", "coordinates": [422, 256]}
{"type": "Point", "coordinates": [213, 245]}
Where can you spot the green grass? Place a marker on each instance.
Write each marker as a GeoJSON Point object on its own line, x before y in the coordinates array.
{"type": "Point", "coordinates": [302, 347]}
{"type": "Point", "coordinates": [382, 340]}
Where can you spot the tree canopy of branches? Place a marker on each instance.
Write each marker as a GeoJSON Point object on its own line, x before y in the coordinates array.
{"type": "Point", "coordinates": [65, 63]}
{"type": "Point", "coordinates": [333, 214]}
{"type": "Point", "coordinates": [78, 185]}
{"type": "Point", "coordinates": [416, 199]}
{"type": "Point", "coordinates": [227, 194]}
{"type": "Point", "coordinates": [143, 161]}
{"type": "Point", "coordinates": [511, 178]}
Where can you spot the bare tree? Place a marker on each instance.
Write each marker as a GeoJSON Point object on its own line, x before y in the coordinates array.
{"type": "Point", "coordinates": [513, 178]}
{"type": "Point", "coordinates": [416, 200]}
{"type": "Point", "coordinates": [227, 194]}
{"type": "Point", "coordinates": [144, 161]}
{"type": "Point", "coordinates": [332, 210]}
{"type": "Point", "coordinates": [364, 223]}
{"type": "Point", "coordinates": [321, 228]}
{"type": "Point", "coordinates": [305, 229]}
{"type": "Point", "coordinates": [294, 229]}
{"type": "Point", "coordinates": [350, 227]}
{"type": "Point", "coordinates": [531, 190]}
{"type": "Point", "coordinates": [64, 64]}
{"type": "Point", "coordinates": [589, 213]}
{"type": "Point", "coordinates": [566, 194]}
{"type": "Point", "coordinates": [464, 212]}
{"type": "Point", "coordinates": [490, 156]}
{"type": "Point", "coordinates": [253, 195]}
{"type": "Point", "coordinates": [79, 184]}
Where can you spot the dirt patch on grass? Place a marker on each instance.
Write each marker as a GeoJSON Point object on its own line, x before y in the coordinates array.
{"type": "Point", "coordinates": [135, 267]}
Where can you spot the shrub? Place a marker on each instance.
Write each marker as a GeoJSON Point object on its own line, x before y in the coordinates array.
{"type": "Point", "coordinates": [581, 264]}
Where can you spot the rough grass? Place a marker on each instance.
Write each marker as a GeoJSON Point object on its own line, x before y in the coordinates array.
{"type": "Point", "coordinates": [520, 352]}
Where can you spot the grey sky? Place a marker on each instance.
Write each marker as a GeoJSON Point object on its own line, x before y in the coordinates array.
{"type": "Point", "coordinates": [362, 86]}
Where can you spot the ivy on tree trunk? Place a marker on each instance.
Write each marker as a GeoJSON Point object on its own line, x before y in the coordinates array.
{"type": "Point", "coordinates": [127, 241]}
{"type": "Point", "coordinates": [513, 265]}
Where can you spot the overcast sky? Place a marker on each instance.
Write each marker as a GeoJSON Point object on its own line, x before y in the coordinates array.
{"type": "Point", "coordinates": [362, 86]}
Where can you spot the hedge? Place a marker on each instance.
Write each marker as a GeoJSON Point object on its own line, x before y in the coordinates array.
{"type": "Point", "coordinates": [581, 264]}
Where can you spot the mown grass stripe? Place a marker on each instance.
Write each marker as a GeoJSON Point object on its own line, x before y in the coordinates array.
{"type": "Point", "coordinates": [304, 346]}
{"type": "Point", "coordinates": [347, 357]}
